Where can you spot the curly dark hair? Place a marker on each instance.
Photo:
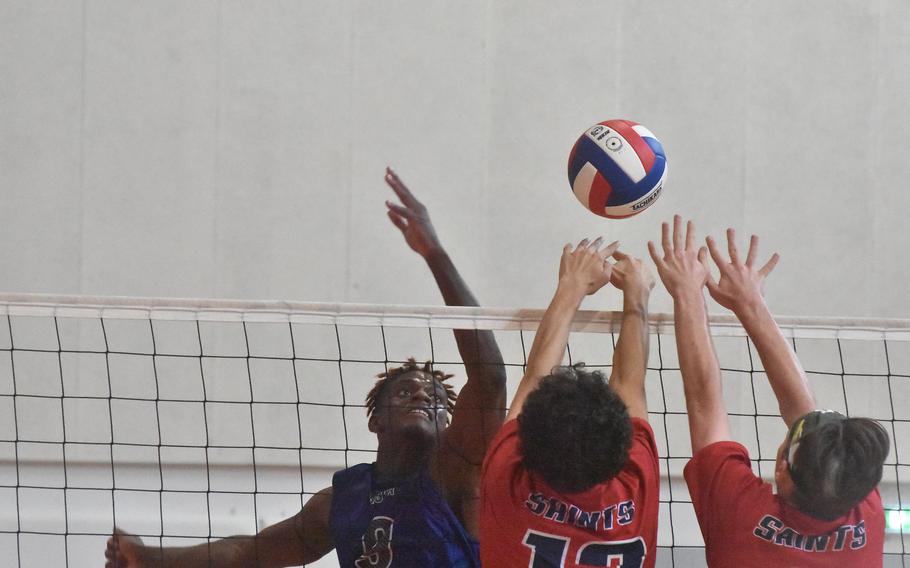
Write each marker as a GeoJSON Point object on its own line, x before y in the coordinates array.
{"type": "Point", "coordinates": [387, 378]}
{"type": "Point", "coordinates": [575, 431]}
{"type": "Point", "coordinates": [837, 465]}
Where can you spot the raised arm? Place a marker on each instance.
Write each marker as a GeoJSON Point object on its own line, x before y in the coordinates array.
{"type": "Point", "coordinates": [582, 271]}
{"type": "Point", "coordinates": [740, 290]}
{"type": "Point", "coordinates": [630, 358]}
{"type": "Point", "coordinates": [481, 402]}
{"type": "Point", "coordinates": [301, 539]}
{"type": "Point", "coordinates": [684, 272]}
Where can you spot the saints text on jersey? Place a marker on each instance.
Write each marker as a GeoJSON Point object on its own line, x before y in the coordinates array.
{"type": "Point", "coordinates": [774, 530]}
{"type": "Point", "coordinates": [561, 512]}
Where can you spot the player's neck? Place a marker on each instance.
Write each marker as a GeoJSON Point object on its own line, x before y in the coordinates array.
{"type": "Point", "coordinates": [401, 460]}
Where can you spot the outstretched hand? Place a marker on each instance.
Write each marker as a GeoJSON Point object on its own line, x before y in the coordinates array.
{"type": "Point", "coordinates": [586, 266]}
{"type": "Point", "coordinates": [683, 268]}
{"type": "Point", "coordinates": [123, 551]}
{"type": "Point", "coordinates": [740, 283]}
{"type": "Point", "coordinates": [411, 217]}
{"type": "Point", "coordinates": [630, 274]}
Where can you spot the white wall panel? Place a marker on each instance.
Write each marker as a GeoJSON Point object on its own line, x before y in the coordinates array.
{"type": "Point", "coordinates": [810, 148]}
{"type": "Point", "coordinates": [419, 96]}
{"type": "Point", "coordinates": [553, 74]}
{"type": "Point", "coordinates": [149, 140]}
{"type": "Point", "coordinates": [682, 76]}
{"type": "Point", "coordinates": [283, 149]}
{"type": "Point", "coordinates": [236, 148]}
{"type": "Point", "coordinates": [885, 261]}
{"type": "Point", "coordinates": [40, 145]}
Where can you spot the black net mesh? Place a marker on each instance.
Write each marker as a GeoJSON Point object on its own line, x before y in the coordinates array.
{"type": "Point", "coordinates": [182, 429]}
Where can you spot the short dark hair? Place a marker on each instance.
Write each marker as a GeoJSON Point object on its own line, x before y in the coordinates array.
{"type": "Point", "coordinates": [837, 464]}
{"type": "Point", "coordinates": [387, 378]}
{"type": "Point", "coordinates": [574, 430]}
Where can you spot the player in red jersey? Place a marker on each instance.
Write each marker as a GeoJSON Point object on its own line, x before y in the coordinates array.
{"type": "Point", "coordinates": [826, 511]}
{"type": "Point", "coordinates": [572, 477]}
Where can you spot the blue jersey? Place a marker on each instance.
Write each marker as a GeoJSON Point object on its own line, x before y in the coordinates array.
{"type": "Point", "coordinates": [405, 525]}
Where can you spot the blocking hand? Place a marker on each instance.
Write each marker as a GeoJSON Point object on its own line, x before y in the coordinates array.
{"type": "Point", "coordinates": [631, 274]}
{"type": "Point", "coordinates": [683, 268]}
{"type": "Point", "coordinates": [740, 283]}
{"type": "Point", "coordinates": [586, 267]}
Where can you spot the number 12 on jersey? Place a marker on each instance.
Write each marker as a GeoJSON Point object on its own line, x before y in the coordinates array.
{"type": "Point", "coordinates": [549, 551]}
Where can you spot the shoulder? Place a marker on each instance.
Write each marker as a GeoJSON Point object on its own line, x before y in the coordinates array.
{"type": "Point", "coordinates": [872, 510]}
{"type": "Point", "coordinates": [504, 448]}
{"type": "Point", "coordinates": [643, 434]}
{"type": "Point", "coordinates": [312, 526]}
{"type": "Point", "coordinates": [724, 462]}
{"type": "Point", "coordinates": [721, 480]}
{"type": "Point", "coordinates": [873, 501]}
{"type": "Point", "coordinates": [503, 462]}
{"type": "Point", "coordinates": [643, 455]}
{"type": "Point", "coordinates": [317, 510]}
{"type": "Point", "coordinates": [321, 500]}
{"type": "Point", "coordinates": [717, 454]}
{"type": "Point", "coordinates": [873, 513]}
{"type": "Point", "coordinates": [349, 475]}
{"type": "Point", "coordinates": [351, 485]}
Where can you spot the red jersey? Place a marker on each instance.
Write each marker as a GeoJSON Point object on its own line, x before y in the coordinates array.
{"type": "Point", "coordinates": [745, 525]}
{"type": "Point", "coordinates": [524, 522]}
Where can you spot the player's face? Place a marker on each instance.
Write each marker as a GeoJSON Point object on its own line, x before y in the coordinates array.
{"type": "Point", "coordinates": [416, 401]}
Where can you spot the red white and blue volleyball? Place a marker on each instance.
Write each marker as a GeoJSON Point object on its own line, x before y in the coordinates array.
{"type": "Point", "coordinates": [617, 168]}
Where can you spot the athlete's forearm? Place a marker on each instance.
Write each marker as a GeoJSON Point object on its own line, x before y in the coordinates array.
{"type": "Point", "coordinates": [478, 348]}
{"type": "Point", "coordinates": [549, 342]}
{"type": "Point", "coordinates": [784, 371]}
{"type": "Point", "coordinates": [630, 358]}
{"type": "Point", "coordinates": [229, 552]}
{"type": "Point", "coordinates": [700, 371]}
{"type": "Point", "coordinates": [455, 291]}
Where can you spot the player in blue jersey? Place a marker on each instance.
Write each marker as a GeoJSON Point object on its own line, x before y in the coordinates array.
{"type": "Point", "coordinates": [417, 505]}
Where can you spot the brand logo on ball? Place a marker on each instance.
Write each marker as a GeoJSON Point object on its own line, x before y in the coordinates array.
{"type": "Point", "coordinates": [647, 201]}
{"type": "Point", "coordinates": [597, 130]}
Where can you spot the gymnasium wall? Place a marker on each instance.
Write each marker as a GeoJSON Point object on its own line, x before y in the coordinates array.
{"type": "Point", "coordinates": [236, 148]}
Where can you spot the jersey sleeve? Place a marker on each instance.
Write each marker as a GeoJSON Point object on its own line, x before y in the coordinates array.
{"type": "Point", "coordinates": [502, 463]}
{"type": "Point", "coordinates": [503, 459]}
{"type": "Point", "coordinates": [722, 485]}
{"type": "Point", "coordinates": [643, 454]}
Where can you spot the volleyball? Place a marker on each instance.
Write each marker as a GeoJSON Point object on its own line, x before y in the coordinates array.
{"type": "Point", "coordinates": [617, 168]}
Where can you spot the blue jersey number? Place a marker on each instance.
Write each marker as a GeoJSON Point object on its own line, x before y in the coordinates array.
{"type": "Point", "coordinates": [549, 551]}
{"type": "Point", "coordinates": [377, 544]}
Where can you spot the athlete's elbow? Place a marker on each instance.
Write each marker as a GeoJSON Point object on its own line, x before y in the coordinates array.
{"type": "Point", "coordinates": [497, 378]}
{"type": "Point", "coordinates": [492, 374]}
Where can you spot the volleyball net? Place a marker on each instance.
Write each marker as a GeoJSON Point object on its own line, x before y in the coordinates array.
{"type": "Point", "coordinates": [184, 421]}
